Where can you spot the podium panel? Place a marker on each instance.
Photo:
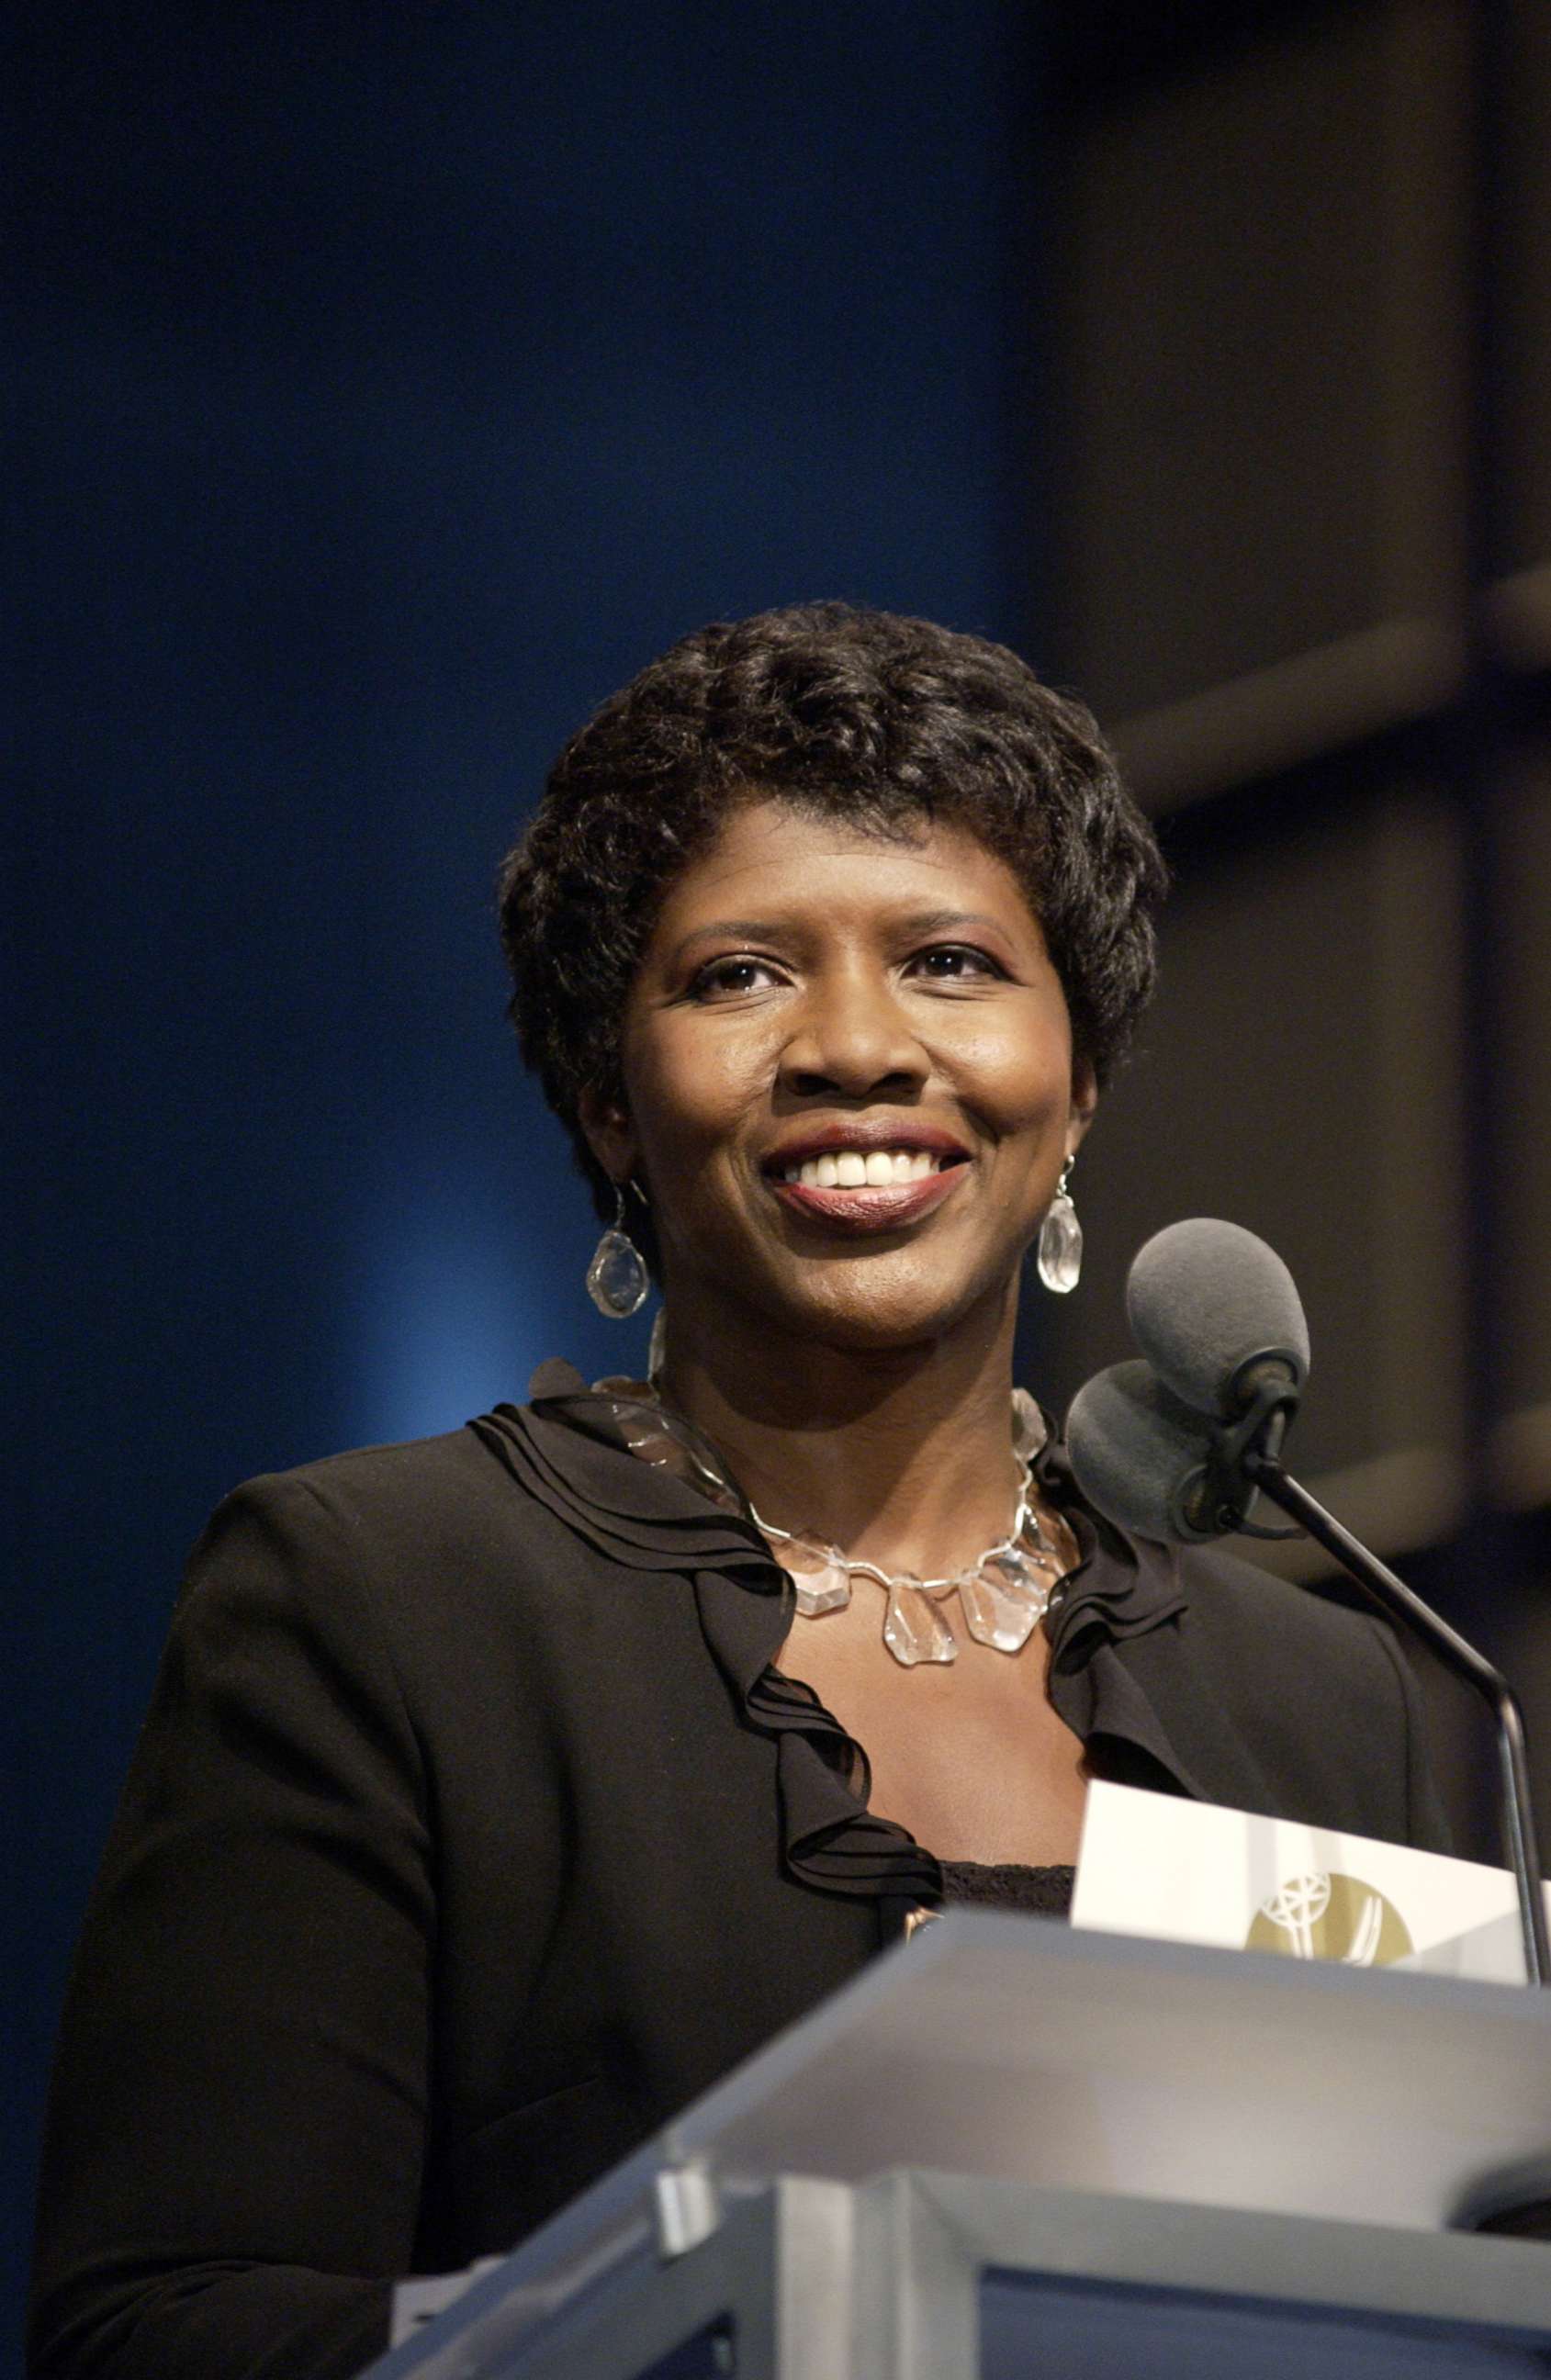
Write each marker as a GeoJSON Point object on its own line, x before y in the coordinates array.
{"type": "Point", "coordinates": [934, 2276]}
{"type": "Point", "coordinates": [1010, 2149]}
{"type": "Point", "coordinates": [1098, 2334]}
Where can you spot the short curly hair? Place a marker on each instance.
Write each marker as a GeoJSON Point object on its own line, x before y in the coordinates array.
{"type": "Point", "coordinates": [889, 724]}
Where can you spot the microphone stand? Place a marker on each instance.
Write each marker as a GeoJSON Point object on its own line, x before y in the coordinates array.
{"type": "Point", "coordinates": [1399, 1600]}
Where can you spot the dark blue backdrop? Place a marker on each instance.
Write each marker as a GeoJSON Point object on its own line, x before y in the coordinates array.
{"type": "Point", "coordinates": [394, 380]}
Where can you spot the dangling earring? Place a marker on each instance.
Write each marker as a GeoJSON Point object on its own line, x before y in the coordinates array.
{"type": "Point", "coordinates": [1059, 1251]}
{"type": "Point", "coordinates": [617, 1279]}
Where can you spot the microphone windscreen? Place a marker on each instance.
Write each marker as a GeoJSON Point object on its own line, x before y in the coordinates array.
{"type": "Point", "coordinates": [1136, 1451]}
{"type": "Point", "coordinates": [1207, 1300]}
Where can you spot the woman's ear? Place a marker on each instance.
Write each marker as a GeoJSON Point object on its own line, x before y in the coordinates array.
{"type": "Point", "coordinates": [1085, 1099]}
{"type": "Point", "coordinates": [609, 1135]}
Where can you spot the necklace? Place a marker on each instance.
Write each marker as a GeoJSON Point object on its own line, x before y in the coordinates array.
{"type": "Point", "coordinates": [1002, 1594]}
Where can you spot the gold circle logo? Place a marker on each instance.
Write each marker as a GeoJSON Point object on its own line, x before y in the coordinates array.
{"type": "Point", "coordinates": [1330, 1916]}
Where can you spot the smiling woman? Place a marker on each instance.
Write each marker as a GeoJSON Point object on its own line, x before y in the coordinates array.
{"type": "Point", "coordinates": [923, 1079]}
{"type": "Point", "coordinates": [502, 1791]}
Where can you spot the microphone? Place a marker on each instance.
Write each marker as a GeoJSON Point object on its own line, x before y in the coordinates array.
{"type": "Point", "coordinates": [1143, 1457]}
{"type": "Point", "coordinates": [1216, 1314]}
{"type": "Point", "coordinates": [1220, 1322]}
{"type": "Point", "coordinates": [1176, 1446]}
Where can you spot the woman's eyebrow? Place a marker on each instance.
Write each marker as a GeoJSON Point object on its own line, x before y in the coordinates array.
{"type": "Point", "coordinates": [734, 930]}
{"type": "Point", "coordinates": [913, 921]}
{"type": "Point", "coordinates": [938, 921]}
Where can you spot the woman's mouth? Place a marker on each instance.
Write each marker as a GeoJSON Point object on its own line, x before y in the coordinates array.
{"type": "Point", "coordinates": [869, 1190]}
{"type": "Point", "coordinates": [852, 1169]}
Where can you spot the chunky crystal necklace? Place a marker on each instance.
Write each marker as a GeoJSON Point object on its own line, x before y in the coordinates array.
{"type": "Point", "coordinates": [1002, 1594]}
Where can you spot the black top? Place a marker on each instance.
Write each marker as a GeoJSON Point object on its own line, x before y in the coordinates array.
{"type": "Point", "coordinates": [472, 1833]}
{"type": "Point", "coordinates": [1027, 1891]}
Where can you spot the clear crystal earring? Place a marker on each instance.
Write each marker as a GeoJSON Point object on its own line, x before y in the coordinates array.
{"type": "Point", "coordinates": [1059, 1250]}
{"type": "Point", "coordinates": [617, 1279]}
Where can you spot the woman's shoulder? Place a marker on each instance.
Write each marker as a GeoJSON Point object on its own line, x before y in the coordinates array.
{"type": "Point", "coordinates": [1225, 1605]}
{"type": "Point", "coordinates": [1237, 1603]}
{"type": "Point", "coordinates": [392, 1533]}
{"type": "Point", "coordinates": [409, 1492]}
{"type": "Point", "coordinates": [524, 1507]}
{"type": "Point", "coordinates": [1286, 1698]}
{"type": "Point", "coordinates": [1300, 1667]}
{"type": "Point", "coordinates": [406, 1476]}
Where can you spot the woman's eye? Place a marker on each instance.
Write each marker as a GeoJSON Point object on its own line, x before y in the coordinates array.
{"type": "Point", "coordinates": [726, 978]}
{"type": "Point", "coordinates": [956, 963]}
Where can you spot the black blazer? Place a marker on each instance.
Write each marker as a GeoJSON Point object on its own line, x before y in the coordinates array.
{"type": "Point", "coordinates": [470, 1835]}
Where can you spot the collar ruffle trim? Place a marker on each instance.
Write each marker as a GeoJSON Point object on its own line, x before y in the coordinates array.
{"type": "Point", "coordinates": [565, 1448]}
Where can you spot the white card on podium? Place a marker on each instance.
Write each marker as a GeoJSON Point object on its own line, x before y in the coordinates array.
{"type": "Point", "coordinates": [1183, 1871]}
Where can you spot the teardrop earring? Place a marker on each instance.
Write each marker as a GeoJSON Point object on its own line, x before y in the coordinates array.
{"type": "Point", "coordinates": [617, 1279]}
{"type": "Point", "coordinates": [1059, 1250]}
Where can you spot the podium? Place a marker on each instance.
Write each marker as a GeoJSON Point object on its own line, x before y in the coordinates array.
{"type": "Point", "coordinates": [1010, 2149]}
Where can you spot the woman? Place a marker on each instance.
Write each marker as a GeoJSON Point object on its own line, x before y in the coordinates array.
{"type": "Point", "coordinates": [501, 1792]}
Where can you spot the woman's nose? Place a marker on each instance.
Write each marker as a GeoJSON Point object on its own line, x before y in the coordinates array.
{"type": "Point", "coordinates": [852, 1035]}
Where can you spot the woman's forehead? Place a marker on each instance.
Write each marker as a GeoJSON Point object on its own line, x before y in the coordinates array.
{"type": "Point", "coordinates": [776, 855]}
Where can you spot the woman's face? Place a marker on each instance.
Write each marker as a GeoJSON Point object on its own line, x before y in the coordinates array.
{"type": "Point", "coordinates": [814, 1004]}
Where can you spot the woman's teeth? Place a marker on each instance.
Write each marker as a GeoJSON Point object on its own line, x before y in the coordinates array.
{"type": "Point", "coordinates": [849, 1170]}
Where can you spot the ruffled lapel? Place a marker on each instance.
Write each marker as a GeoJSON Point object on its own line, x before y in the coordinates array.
{"type": "Point", "coordinates": [1124, 1587]}
{"type": "Point", "coordinates": [565, 1448]}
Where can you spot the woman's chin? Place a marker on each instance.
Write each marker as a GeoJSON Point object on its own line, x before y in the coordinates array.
{"type": "Point", "coordinates": [764, 1299]}
{"type": "Point", "coordinates": [885, 1309]}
